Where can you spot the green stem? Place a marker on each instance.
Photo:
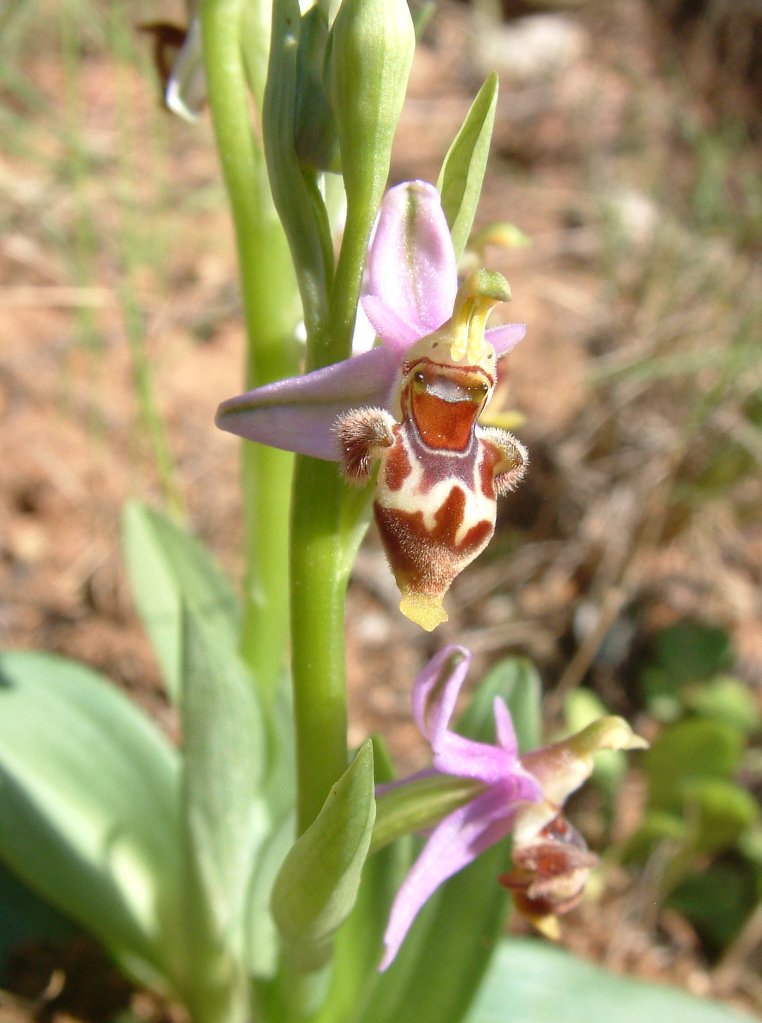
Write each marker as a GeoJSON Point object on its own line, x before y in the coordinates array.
{"type": "Point", "coordinates": [270, 310]}
{"type": "Point", "coordinates": [318, 587]}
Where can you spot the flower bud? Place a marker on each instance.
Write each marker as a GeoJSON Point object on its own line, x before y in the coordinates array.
{"type": "Point", "coordinates": [316, 141]}
{"type": "Point", "coordinates": [372, 49]}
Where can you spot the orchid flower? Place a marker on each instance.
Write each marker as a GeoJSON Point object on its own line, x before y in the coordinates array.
{"type": "Point", "coordinates": [518, 795]}
{"type": "Point", "coordinates": [411, 404]}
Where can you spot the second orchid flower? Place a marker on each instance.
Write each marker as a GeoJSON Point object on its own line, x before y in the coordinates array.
{"type": "Point", "coordinates": [509, 794]}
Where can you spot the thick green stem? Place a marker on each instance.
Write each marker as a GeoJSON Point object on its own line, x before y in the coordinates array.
{"type": "Point", "coordinates": [318, 587]}
{"type": "Point", "coordinates": [270, 310]}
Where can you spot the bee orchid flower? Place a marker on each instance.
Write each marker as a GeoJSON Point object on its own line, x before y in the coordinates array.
{"type": "Point", "coordinates": [411, 405]}
{"type": "Point", "coordinates": [521, 796]}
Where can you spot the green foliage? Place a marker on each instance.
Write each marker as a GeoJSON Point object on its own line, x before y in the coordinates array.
{"type": "Point", "coordinates": [317, 885]}
{"type": "Point", "coordinates": [89, 807]}
{"type": "Point", "coordinates": [700, 814]}
{"type": "Point", "coordinates": [534, 982]}
{"type": "Point", "coordinates": [460, 179]}
{"type": "Point", "coordinates": [26, 916]}
{"type": "Point", "coordinates": [225, 817]}
{"type": "Point", "coordinates": [716, 902]}
{"type": "Point", "coordinates": [169, 570]}
{"type": "Point", "coordinates": [440, 985]}
{"type": "Point", "coordinates": [687, 751]}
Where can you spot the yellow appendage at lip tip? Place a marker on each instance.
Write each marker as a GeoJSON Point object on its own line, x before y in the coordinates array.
{"type": "Point", "coordinates": [547, 925]}
{"type": "Point", "coordinates": [423, 609]}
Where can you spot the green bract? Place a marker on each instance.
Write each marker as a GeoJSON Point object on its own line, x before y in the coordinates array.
{"type": "Point", "coordinates": [317, 884]}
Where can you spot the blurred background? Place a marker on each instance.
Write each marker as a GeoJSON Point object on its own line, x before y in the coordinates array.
{"type": "Point", "coordinates": [628, 567]}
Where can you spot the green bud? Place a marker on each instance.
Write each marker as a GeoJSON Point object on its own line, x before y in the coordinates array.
{"type": "Point", "coordinates": [372, 50]}
{"type": "Point", "coordinates": [317, 143]}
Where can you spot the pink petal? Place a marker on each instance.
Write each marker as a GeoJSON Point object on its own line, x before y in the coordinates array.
{"type": "Point", "coordinates": [455, 842]}
{"type": "Point", "coordinates": [506, 734]}
{"type": "Point", "coordinates": [411, 263]}
{"type": "Point", "coordinates": [395, 333]}
{"type": "Point", "coordinates": [466, 758]}
{"type": "Point", "coordinates": [505, 338]}
{"type": "Point", "coordinates": [298, 414]}
{"type": "Point", "coordinates": [436, 688]}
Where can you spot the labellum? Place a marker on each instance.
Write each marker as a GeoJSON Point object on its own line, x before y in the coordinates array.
{"type": "Point", "coordinates": [439, 471]}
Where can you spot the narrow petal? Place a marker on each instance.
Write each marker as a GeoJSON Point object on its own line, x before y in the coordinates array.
{"type": "Point", "coordinates": [505, 338]}
{"type": "Point", "coordinates": [454, 843]}
{"type": "Point", "coordinates": [298, 414]}
{"type": "Point", "coordinates": [411, 263]}
{"type": "Point", "coordinates": [435, 693]}
{"type": "Point", "coordinates": [506, 733]}
{"type": "Point", "coordinates": [436, 689]}
{"type": "Point", "coordinates": [465, 758]}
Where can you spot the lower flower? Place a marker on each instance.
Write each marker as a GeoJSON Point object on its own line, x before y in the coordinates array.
{"type": "Point", "coordinates": [520, 796]}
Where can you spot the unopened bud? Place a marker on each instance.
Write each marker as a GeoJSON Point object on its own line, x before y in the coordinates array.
{"type": "Point", "coordinates": [372, 50]}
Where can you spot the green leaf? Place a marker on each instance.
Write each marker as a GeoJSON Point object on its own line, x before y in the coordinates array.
{"type": "Point", "coordinates": [718, 812]}
{"type": "Point", "coordinates": [24, 916]}
{"type": "Point", "coordinates": [690, 651]}
{"type": "Point", "coordinates": [656, 828]}
{"type": "Point", "coordinates": [318, 882]}
{"type": "Point", "coordinates": [358, 944]}
{"type": "Point", "coordinates": [514, 680]}
{"type": "Point", "coordinates": [460, 179]}
{"type": "Point", "coordinates": [279, 793]}
{"type": "Point", "coordinates": [88, 806]}
{"type": "Point", "coordinates": [226, 821]}
{"type": "Point", "coordinates": [168, 567]}
{"type": "Point", "coordinates": [535, 982]}
{"type": "Point", "coordinates": [440, 965]}
{"type": "Point", "coordinates": [717, 901]}
{"type": "Point", "coordinates": [726, 699]}
{"type": "Point", "coordinates": [225, 757]}
{"type": "Point", "coordinates": [689, 749]}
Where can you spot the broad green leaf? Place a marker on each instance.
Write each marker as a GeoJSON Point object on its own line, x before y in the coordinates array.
{"type": "Point", "coordinates": [692, 748]}
{"type": "Point", "coordinates": [515, 681]}
{"type": "Point", "coordinates": [169, 568]}
{"type": "Point", "coordinates": [225, 757]}
{"type": "Point", "coordinates": [718, 812]}
{"type": "Point", "coordinates": [317, 885]}
{"type": "Point", "coordinates": [88, 805]}
{"type": "Point", "coordinates": [279, 793]}
{"type": "Point", "coordinates": [24, 916]}
{"type": "Point", "coordinates": [657, 827]}
{"type": "Point", "coordinates": [226, 820]}
{"type": "Point", "coordinates": [460, 179]}
{"type": "Point", "coordinates": [535, 982]}
{"type": "Point", "coordinates": [441, 963]}
{"type": "Point", "coordinates": [691, 651]}
{"type": "Point", "coordinates": [717, 901]}
{"type": "Point", "coordinates": [726, 699]}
